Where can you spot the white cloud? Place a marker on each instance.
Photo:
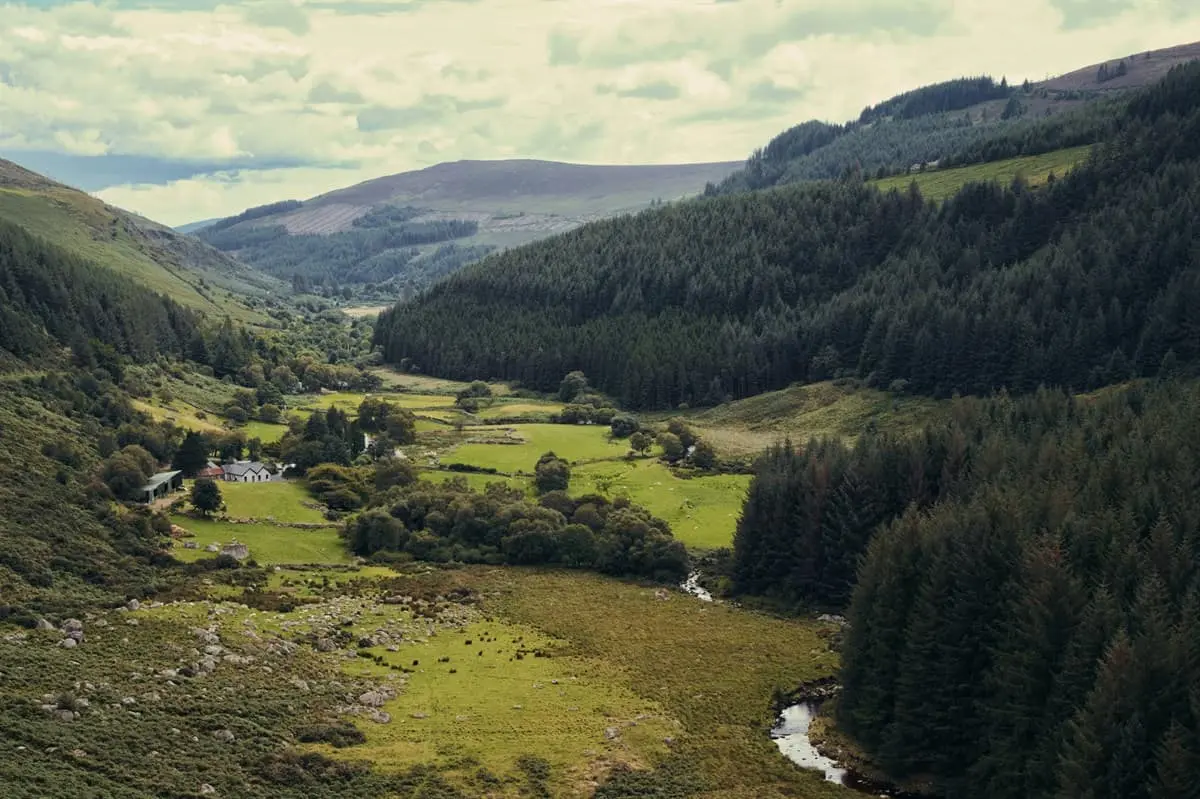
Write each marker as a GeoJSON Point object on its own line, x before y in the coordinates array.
{"type": "Point", "coordinates": [377, 86]}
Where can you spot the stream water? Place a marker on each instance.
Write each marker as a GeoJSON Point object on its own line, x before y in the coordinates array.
{"type": "Point", "coordinates": [693, 587]}
{"type": "Point", "coordinates": [790, 732]}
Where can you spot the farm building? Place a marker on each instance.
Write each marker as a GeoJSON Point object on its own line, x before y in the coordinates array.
{"type": "Point", "coordinates": [246, 472]}
{"type": "Point", "coordinates": [161, 485]}
{"type": "Point", "coordinates": [212, 471]}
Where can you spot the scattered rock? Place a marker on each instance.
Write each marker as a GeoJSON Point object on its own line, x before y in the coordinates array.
{"type": "Point", "coordinates": [325, 645]}
{"type": "Point", "coordinates": [72, 625]}
{"type": "Point", "coordinates": [212, 548]}
{"type": "Point", "coordinates": [373, 699]}
{"type": "Point", "coordinates": [42, 624]}
{"type": "Point", "coordinates": [224, 736]}
{"type": "Point", "coordinates": [64, 715]}
{"type": "Point", "coordinates": [611, 733]}
{"type": "Point", "coordinates": [207, 790]}
{"type": "Point", "coordinates": [420, 715]}
{"type": "Point", "coordinates": [68, 643]}
{"type": "Point", "coordinates": [380, 717]}
{"type": "Point", "coordinates": [133, 604]}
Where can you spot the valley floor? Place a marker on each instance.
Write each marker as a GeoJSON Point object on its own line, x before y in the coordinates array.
{"type": "Point", "coordinates": [486, 681]}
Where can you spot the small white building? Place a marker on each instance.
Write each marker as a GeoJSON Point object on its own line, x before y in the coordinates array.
{"type": "Point", "coordinates": [246, 472]}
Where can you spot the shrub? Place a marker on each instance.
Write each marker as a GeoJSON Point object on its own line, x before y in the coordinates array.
{"type": "Point", "coordinates": [337, 735]}
{"type": "Point", "coordinates": [623, 425]}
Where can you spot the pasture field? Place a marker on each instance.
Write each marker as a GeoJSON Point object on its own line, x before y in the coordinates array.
{"type": "Point", "coordinates": [748, 426]}
{"type": "Point", "coordinates": [424, 384]}
{"type": "Point", "coordinates": [502, 409]}
{"type": "Point", "coordinates": [702, 511]}
{"type": "Point", "coordinates": [349, 401]}
{"type": "Point", "coordinates": [181, 414]}
{"type": "Point", "coordinates": [268, 543]}
{"type": "Point", "coordinates": [364, 311]}
{"type": "Point", "coordinates": [344, 400]}
{"type": "Point", "coordinates": [484, 703]}
{"type": "Point", "coordinates": [572, 442]}
{"type": "Point", "coordinates": [265, 432]}
{"type": "Point", "coordinates": [282, 501]}
{"type": "Point", "coordinates": [938, 184]}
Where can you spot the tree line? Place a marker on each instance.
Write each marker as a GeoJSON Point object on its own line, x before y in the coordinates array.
{"type": "Point", "coordinates": [1084, 282]}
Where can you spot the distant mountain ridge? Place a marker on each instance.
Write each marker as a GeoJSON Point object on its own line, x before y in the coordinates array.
{"type": "Point", "coordinates": [399, 232]}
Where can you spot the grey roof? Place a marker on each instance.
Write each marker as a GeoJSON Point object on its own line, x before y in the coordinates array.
{"type": "Point", "coordinates": [244, 467]}
{"type": "Point", "coordinates": [158, 480]}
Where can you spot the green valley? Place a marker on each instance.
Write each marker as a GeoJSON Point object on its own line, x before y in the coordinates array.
{"type": "Point", "coordinates": [870, 471]}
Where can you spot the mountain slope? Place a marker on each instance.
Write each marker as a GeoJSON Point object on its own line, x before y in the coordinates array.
{"type": "Point", "coordinates": [1081, 282]}
{"type": "Point", "coordinates": [405, 230]}
{"type": "Point", "coordinates": [962, 121]}
{"type": "Point", "coordinates": [153, 255]}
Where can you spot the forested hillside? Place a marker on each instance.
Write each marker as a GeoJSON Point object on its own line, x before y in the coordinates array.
{"type": "Point", "coordinates": [1084, 282]}
{"type": "Point", "coordinates": [49, 298]}
{"type": "Point", "coordinates": [968, 120]}
{"type": "Point", "coordinates": [1025, 622]}
{"type": "Point", "coordinates": [387, 246]}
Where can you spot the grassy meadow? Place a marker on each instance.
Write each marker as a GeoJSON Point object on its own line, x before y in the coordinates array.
{"type": "Point", "coordinates": [748, 426]}
{"type": "Point", "coordinates": [702, 511]}
{"type": "Point", "coordinates": [281, 501]}
{"type": "Point", "coordinates": [514, 449]}
{"type": "Point", "coordinates": [576, 672]}
{"type": "Point", "coordinates": [181, 414]}
{"type": "Point", "coordinates": [269, 543]}
{"type": "Point", "coordinates": [938, 184]}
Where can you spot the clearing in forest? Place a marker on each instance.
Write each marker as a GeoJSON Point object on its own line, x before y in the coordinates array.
{"type": "Point", "coordinates": [938, 184]}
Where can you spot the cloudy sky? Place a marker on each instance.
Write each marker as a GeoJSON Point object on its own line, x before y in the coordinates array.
{"type": "Point", "coordinates": [190, 109]}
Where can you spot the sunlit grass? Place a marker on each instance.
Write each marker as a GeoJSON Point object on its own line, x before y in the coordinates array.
{"type": "Point", "coordinates": [572, 442]}
{"type": "Point", "coordinates": [268, 543]}
{"type": "Point", "coordinates": [282, 501]}
{"type": "Point", "coordinates": [938, 184]}
{"type": "Point", "coordinates": [702, 511]}
{"type": "Point", "coordinates": [264, 431]}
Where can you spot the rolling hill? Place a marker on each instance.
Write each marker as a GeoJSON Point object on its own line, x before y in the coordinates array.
{"type": "Point", "coordinates": [404, 230]}
{"type": "Point", "coordinates": [150, 254]}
